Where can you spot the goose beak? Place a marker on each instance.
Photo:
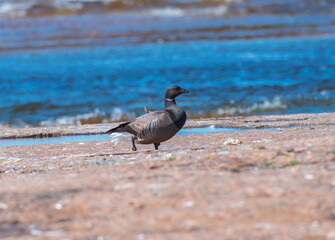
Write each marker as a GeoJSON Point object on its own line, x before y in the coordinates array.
{"type": "Point", "coordinates": [184, 91]}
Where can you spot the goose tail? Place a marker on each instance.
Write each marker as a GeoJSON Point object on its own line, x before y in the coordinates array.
{"type": "Point", "coordinates": [117, 137]}
{"type": "Point", "coordinates": [118, 128]}
{"type": "Point", "coordinates": [118, 134]}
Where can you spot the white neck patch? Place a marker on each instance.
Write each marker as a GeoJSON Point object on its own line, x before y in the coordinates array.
{"type": "Point", "coordinates": [169, 99]}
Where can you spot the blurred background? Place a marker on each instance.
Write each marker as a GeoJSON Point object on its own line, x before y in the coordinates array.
{"type": "Point", "coordinates": [78, 62]}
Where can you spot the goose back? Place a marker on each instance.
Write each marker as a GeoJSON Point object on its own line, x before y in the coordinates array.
{"type": "Point", "coordinates": [158, 126]}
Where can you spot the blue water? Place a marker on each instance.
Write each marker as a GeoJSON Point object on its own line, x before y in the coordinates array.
{"type": "Point", "coordinates": [85, 68]}
{"type": "Point", "coordinates": [102, 137]}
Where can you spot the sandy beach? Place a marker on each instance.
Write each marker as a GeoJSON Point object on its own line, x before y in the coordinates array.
{"type": "Point", "coordinates": [278, 184]}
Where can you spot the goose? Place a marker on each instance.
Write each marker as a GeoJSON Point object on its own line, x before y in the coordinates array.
{"type": "Point", "coordinates": [153, 127]}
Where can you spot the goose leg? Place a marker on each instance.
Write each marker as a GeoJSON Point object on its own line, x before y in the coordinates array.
{"type": "Point", "coordinates": [156, 145]}
{"type": "Point", "coordinates": [133, 142]}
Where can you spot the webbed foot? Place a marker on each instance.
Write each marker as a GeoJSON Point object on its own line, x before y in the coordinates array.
{"type": "Point", "coordinates": [156, 145]}
{"type": "Point", "coordinates": [133, 142]}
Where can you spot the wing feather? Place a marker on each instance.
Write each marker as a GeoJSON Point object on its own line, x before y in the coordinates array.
{"type": "Point", "coordinates": [138, 124]}
{"type": "Point", "coordinates": [150, 130]}
{"type": "Point", "coordinates": [156, 130]}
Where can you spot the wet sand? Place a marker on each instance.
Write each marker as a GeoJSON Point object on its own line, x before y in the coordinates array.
{"type": "Point", "coordinates": [278, 184]}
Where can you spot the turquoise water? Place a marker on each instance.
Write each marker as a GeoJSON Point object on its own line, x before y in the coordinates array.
{"type": "Point", "coordinates": [104, 62]}
{"type": "Point", "coordinates": [101, 137]}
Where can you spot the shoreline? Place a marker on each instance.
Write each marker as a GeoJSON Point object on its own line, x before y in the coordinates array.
{"type": "Point", "coordinates": [243, 122]}
{"type": "Point", "coordinates": [278, 184]}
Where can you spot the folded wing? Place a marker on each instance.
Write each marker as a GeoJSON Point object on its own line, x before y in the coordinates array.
{"type": "Point", "coordinates": [138, 124]}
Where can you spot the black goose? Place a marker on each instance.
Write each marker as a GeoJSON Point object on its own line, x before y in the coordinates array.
{"type": "Point", "coordinates": [153, 127]}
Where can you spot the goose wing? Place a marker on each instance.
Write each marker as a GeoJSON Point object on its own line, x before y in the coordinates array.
{"type": "Point", "coordinates": [153, 127]}
{"type": "Point", "coordinates": [158, 129]}
{"type": "Point", "coordinates": [138, 124]}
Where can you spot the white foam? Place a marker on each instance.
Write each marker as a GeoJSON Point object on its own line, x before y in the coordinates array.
{"type": "Point", "coordinates": [212, 11]}
{"type": "Point", "coordinates": [275, 103]}
{"type": "Point", "coordinates": [19, 8]}
{"type": "Point", "coordinates": [116, 115]}
{"type": "Point", "coordinates": [168, 11]}
{"type": "Point", "coordinates": [178, 12]}
{"type": "Point", "coordinates": [66, 4]}
{"type": "Point", "coordinates": [72, 120]}
{"type": "Point", "coordinates": [15, 124]}
{"type": "Point", "coordinates": [15, 9]}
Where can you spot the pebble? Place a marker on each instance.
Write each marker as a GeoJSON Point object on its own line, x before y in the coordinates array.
{"type": "Point", "coordinates": [47, 233]}
{"type": "Point", "coordinates": [309, 176]}
{"type": "Point", "coordinates": [59, 204]}
{"type": "Point", "coordinates": [261, 141]}
{"type": "Point", "coordinates": [223, 153]}
{"type": "Point", "coordinates": [314, 225]}
{"type": "Point", "coordinates": [97, 162]}
{"type": "Point", "coordinates": [232, 141]}
{"type": "Point", "coordinates": [237, 204]}
{"type": "Point", "coordinates": [10, 170]}
{"type": "Point", "coordinates": [3, 206]}
{"type": "Point", "coordinates": [265, 226]}
{"type": "Point", "coordinates": [190, 223]}
{"type": "Point", "coordinates": [188, 204]}
{"type": "Point", "coordinates": [141, 236]}
{"type": "Point", "coordinates": [124, 186]}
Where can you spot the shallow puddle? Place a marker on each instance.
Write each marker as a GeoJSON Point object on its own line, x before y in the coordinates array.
{"type": "Point", "coordinates": [102, 137]}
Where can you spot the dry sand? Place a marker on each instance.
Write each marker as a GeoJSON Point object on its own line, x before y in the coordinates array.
{"type": "Point", "coordinates": [278, 184]}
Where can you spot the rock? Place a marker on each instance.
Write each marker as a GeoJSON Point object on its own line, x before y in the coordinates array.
{"type": "Point", "coordinates": [232, 141]}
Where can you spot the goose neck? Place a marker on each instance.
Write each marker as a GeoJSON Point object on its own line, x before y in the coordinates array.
{"type": "Point", "coordinates": [169, 102]}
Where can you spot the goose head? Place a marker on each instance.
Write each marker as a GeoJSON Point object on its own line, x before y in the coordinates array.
{"type": "Point", "coordinates": [174, 91]}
